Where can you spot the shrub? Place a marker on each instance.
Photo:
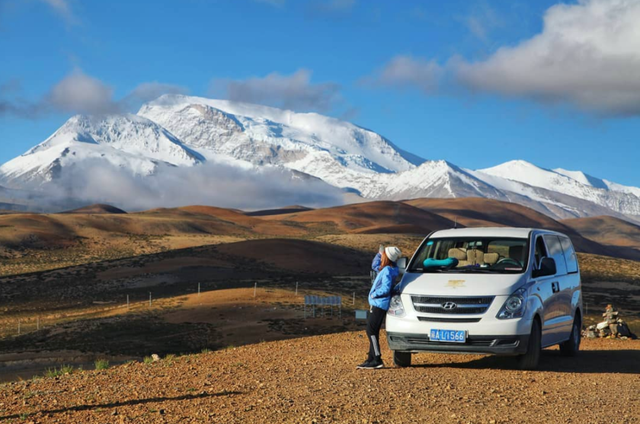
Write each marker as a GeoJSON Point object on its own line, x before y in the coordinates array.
{"type": "Point", "coordinates": [101, 364]}
{"type": "Point", "coordinates": [147, 360]}
{"type": "Point", "coordinates": [55, 372]}
{"type": "Point", "coordinates": [66, 369]}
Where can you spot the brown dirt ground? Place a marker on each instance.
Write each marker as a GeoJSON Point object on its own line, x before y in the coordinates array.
{"type": "Point", "coordinates": [314, 380]}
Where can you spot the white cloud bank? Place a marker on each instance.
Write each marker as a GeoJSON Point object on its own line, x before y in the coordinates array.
{"type": "Point", "coordinates": [80, 93]}
{"type": "Point", "coordinates": [295, 91]}
{"type": "Point", "coordinates": [587, 56]}
{"type": "Point", "coordinates": [95, 181]}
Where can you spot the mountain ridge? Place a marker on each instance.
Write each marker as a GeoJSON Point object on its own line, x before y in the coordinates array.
{"type": "Point", "coordinates": [177, 131]}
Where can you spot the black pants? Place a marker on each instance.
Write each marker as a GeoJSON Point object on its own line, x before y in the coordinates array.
{"type": "Point", "coordinates": [374, 322]}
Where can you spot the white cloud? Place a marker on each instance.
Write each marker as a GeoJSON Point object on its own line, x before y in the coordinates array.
{"type": "Point", "coordinates": [293, 91]}
{"type": "Point", "coordinates": [210, 183]}
{"type": "Point", "coordinates": [80, 93]}
{"type": "Point", "coordinates": [587, 55]}
{"type": "Point", "coordinates": [149, 91]}
{"type": "Point", "coordinates": [407, 72]}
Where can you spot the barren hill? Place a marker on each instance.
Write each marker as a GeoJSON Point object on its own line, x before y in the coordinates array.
{"type": "Point", "coordinates": [607, 230]}
{"type": "Point", "coordinates": [480, 212]}
{"type": "Point", "coordinates": [371, 217]}
{"type": "Point", "coordinates": [97, 208]}
{"type": "Point", "coordinates": [301, 256]}
{"type": "Point", "coordinates": [280, 211]}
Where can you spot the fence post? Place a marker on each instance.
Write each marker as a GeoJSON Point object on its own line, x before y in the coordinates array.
{"type": "Point", "coordinates": [198, 289]}
{"type": "Point", "coordinates": [18, 327]}
{"type": "Point", "coordinates": [128, 306]}
{"type": "Point", "coordinates": [149, 299]}
{"type": "Point", "coordinates": [296, 288]}
{"type": "Point", "coordinates": [255, 289]}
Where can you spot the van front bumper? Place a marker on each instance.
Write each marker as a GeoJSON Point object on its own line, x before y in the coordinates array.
{"type": "Point", "coordinates": [496, 345]}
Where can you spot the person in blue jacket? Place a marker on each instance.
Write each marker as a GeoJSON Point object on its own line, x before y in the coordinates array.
{"type": "Point", "coordinates": [379, 299]}
{"type": "Point", "coordinates": [375, 264]}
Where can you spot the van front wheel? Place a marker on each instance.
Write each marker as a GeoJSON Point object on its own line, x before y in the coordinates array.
{"type": "Point", "coordinates": [529, 361]}
{"type": "Point", "coordinates": [401, 359]}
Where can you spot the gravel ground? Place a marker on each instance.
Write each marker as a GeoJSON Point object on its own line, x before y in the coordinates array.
{"type": "Point", "coordinates": [313, 379]}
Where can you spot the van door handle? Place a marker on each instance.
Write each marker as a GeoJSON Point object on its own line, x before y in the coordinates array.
{"type": "Point", "coordinates": [555, 287]}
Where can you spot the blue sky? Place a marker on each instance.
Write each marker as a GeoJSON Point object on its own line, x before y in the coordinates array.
{"type": "Point", "coordinates": [468, 81]}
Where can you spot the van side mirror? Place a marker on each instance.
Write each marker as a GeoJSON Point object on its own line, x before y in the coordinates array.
{"type": "Point", "coordinates": [547, 267]}
{"type": "Point", "coordinates": [402, 264]}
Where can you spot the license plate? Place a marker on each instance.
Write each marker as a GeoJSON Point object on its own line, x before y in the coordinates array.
{"type": "Point", "coordinates": [452, 336]}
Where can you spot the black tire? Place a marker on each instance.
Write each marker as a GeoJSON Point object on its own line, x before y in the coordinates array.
{"type": "Point", "coordinates": [529, 361]}
{"type": "Point", "coordinates": [401, 359]}
{"type": "Point", "coordinates": [572, 346]}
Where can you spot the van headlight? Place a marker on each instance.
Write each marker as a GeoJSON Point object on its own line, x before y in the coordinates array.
{"type": "Point", "coordinates": [396, 308]}
{"type": "Point", "coordinates": [514, 306]}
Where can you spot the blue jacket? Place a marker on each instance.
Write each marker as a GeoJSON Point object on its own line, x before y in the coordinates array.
{"type": "Point", "coordinates": [380, 294]}
{"type": "Point", "coordinates": [375, 265]}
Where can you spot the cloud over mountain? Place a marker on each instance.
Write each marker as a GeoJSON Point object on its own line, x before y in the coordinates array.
{"type": "Point", "coordinates": [295, 91]}
{"type": "Point", "coordinates": [586, 56]}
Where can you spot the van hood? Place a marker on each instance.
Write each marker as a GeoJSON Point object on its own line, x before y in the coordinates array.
{"type": "Point", "coordinates": [461, 284]}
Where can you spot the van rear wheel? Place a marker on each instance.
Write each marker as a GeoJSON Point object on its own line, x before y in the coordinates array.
{"type": "Point", "coordinates": [401, 359]}
{"type": "Point", "coordinates": [572, 346]}
{"type": "Point", "coordinates": [529, 361]}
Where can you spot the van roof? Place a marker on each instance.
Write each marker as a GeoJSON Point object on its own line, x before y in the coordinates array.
{"type": "Point", "coordinates": [489, 231]}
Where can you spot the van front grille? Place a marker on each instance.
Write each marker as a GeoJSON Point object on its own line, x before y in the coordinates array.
{"type": "Point", "coordinates": [452, 305]}
{"type": "Point", "coordinates": [460, 320]}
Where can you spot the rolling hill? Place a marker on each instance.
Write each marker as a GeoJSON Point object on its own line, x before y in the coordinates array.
{"type": "Point", "coordinates": [370, 217]}
{"type": "Point", "coordinates": [607, 230]}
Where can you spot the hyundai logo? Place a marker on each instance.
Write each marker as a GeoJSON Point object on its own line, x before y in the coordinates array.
{"type": "Point", "coordinates": [449, 305]}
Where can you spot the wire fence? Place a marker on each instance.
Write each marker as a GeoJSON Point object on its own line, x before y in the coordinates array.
{"type": "Point", "coordinates": [313, 304]}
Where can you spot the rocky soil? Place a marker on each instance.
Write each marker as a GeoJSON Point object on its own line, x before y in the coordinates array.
{"type": "Point", "coordinates": [314, 379]}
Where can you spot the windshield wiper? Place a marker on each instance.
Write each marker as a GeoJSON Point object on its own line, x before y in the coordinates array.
{"type": "Point", "coordinates": [481, 270]}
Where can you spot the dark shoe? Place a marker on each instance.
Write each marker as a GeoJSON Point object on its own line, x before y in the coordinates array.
{"type": "Point", "coordinates": [363, 365]}
{"type": "Point", "coordinates": [373, 365]}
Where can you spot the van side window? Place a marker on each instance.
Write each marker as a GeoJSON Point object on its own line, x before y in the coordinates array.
{"type": "Point", "coordinates": [541, 251]}
{"type": "Point", "coordinates": [555, 251]}
{"type": "Point", "coordinates": [569, 254]}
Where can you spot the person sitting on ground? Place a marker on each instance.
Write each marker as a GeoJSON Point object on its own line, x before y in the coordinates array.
{"type": "Point", "coordinates": [375, 265]}
{"type": "Point", "coordinates": [379, 299]}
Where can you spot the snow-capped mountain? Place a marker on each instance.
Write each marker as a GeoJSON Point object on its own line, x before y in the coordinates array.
{"type": "Point", "coordinates": [176, 132]}
{"type": "Point", "coordinates": [125, 141]}
{"type": "Point", "coordinates": [571, 183]}
{"type": "Point", "coordinates": [266, 135]}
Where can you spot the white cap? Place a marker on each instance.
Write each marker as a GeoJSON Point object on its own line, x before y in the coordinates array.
{"type": "Point", "coordinates": [393, 253]}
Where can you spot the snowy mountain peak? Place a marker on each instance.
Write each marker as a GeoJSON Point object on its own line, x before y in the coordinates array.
{"type": "Point", "coordinates": [261, 134]}
{"type": "Point", "coordinates": [583, 178]}
{"type": "Point", "coordinates": [124, 141]}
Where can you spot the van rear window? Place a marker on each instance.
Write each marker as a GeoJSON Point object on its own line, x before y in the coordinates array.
{"type": "Point", "coordinates": [569, 254]}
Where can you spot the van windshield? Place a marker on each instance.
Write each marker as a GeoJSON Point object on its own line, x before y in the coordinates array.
{"type": "Point", "coordinates": [472, 254]}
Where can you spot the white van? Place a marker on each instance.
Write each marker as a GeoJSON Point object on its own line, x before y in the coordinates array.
{"type": "Point", "coordinates": [509, 291]}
